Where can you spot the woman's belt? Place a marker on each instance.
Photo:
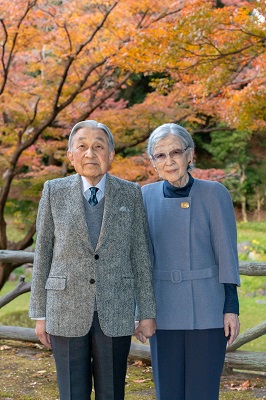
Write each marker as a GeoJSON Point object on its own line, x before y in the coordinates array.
{"type": "Point", "coordinates": [177, 275]}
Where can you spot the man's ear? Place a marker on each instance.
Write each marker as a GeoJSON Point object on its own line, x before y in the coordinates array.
{"type": "Point", "coordinates": [70, 157]}
{"type": "Point", "coordinates": [111, 156]}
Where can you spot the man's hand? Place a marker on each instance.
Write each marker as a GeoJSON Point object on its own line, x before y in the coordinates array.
{"type": "Point", "coordinates": [40, 331]}
{"type": "Point", "coordinates": [231, 326]}
{"type": "Point", "coordinates": [145, 329]}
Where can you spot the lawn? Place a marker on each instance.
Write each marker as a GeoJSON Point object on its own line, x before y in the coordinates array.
{"type": "Point", "coordinates": [252, 293]}
{"type": "Point", "coordinates": [255, 233]}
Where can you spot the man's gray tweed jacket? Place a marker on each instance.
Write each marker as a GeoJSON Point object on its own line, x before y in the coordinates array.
{"type": "Point", "coordinates": [69, 274]}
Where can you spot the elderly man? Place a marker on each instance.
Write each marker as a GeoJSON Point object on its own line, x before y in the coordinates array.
{"type": "Point", "coordinates": [91, 269]}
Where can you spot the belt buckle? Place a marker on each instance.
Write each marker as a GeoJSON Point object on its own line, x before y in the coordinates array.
{"type": "Point", "coordinates": [173, 278]}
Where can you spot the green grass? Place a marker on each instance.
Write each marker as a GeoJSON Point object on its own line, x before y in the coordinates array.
{"type": "Point", "coordinates": [252, 293]}
{"type": "Point", "coordinates": [16, 312]}
{"type": "Point", "coordinates": [255, 233]}
{"type": "Point", "coordinates": [18, 304]}
{"type": "Point", "coordinates": [251, 314]}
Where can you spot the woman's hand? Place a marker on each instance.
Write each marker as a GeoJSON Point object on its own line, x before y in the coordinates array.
{"type": "Point", "coordinates": [231, 326]}
{"type": "Point", "coordinates": [40, 331]}
{"type": "Point", "coordinates": [145, 329]}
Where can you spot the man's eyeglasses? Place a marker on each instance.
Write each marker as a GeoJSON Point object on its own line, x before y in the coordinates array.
{"type": "Point", "coordinates": [174, 154]}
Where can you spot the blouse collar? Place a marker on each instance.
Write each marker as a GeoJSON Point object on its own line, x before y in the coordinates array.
{"type": "Point", "coordinates": [175, 191]}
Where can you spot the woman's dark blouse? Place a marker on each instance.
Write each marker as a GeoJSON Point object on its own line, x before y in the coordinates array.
{"type": "Point", "coordinates": [231, 304]}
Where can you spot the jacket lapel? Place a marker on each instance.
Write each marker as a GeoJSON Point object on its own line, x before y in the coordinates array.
{"type": "Point", "coordinates": [110, 205]}
{"type": "Point", "coordinates": [74, 200]}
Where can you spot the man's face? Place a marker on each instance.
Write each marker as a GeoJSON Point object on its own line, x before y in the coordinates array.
{"type": "Point", "coordinates": [90, 154]}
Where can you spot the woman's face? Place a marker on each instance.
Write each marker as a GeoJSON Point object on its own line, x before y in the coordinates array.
{"type": "Point", "coordinates": [170, 163]}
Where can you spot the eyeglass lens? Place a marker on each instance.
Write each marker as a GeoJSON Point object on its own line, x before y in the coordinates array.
{"type": "Point", "coordinates": [174, 154]}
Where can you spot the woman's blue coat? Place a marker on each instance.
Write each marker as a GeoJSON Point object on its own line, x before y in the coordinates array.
{"type": "Point", "coordinates": [193, 246]}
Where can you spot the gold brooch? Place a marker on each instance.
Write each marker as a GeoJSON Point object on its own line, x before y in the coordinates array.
{"type": "Point", "coordinates": [184, 204]}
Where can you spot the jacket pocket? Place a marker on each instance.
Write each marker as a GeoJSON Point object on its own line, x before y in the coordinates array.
{"type": "Point", "coordinates": [126, 282]}
{"type": "Point", "coordinates": [56, 283]}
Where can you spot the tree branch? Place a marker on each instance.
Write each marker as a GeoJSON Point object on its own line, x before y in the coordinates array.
{"type": "Point", "coordinates": [6, 65]}
{"type": "Point", "coordinates": [248, 336]}
{"type": "Point", "coordinates": [3, 56]}
{"type": "Point", "coordinates": [16, 256]}
{"type": "Point", "coordinates": [104, 98]}
{"type": "Point", "coordinates": [26, 241]}
{"type": "Point", "coordinates": [22, 287]}
{"type": "Point", "coordinates": [77, 52]}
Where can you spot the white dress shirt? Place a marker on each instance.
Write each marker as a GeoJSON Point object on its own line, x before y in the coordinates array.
{"type": "Point", "coordinates": [100, 185]}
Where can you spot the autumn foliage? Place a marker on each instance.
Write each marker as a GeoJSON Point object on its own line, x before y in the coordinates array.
{"type": "Point", "coordinates": [70, 60]}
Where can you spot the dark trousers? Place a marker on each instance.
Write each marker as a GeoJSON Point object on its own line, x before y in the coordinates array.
{"type": "Point", "coordinates": [93, 357]}
{"type": "Point", "coordinates": [187, 365]}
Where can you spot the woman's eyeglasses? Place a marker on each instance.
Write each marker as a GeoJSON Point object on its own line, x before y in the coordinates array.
{"type": "Point", "coordinates": [173, 154]}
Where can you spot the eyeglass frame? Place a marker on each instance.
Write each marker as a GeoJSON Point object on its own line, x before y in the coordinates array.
{"type": "Point", "coordinates": [170, 154]}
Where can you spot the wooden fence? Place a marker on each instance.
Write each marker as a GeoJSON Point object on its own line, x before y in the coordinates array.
{"type": "Point", "coordinates": [235, 358]}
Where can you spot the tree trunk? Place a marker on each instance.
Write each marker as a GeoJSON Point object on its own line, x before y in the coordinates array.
{"type": "Point", "coordinates": [244, 209]}
{"type": "Point", "coordinates": [260, 201]}
{"type": "Point", "coordinates": [10, 260]}
{"type": "Point", "coordinates": [5, 271]}
{"type": "Point", "coordinates": [252, 268]}
{"type": "Point", "coordinates": [18, 333]}
{"type": "Point", "coordinates": [243, 196]}
{"type": "Point", "coordinates": [246, 360]}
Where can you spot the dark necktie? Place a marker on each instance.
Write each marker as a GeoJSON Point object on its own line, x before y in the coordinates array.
{"type": "Point", "coordinates": [93, 199]}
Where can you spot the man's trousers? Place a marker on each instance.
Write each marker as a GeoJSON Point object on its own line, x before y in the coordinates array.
{"type": "Point", "coordinates": [91, 360]}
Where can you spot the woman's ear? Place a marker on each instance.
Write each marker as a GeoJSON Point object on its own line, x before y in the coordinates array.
{"type": "Point", "coordinates": [153, 166]}
{"type": "Point", "coordinates": [191, 156]}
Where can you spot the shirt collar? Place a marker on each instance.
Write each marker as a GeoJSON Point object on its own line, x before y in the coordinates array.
{"type": "Point", "coordinates": [100, 185]}
{"type": "Point", "coordinates": [175, 191]}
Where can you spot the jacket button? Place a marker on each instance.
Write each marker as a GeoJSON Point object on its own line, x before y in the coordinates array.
{"type": "Point", "coordinates": [96, 256]}
{"type": "Point", "coordinates": [92, 281]}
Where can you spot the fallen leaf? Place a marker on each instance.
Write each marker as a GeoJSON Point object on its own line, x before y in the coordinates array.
{"type": "Point", "coordinates": [246, 384]}
{"type": "Point", "coordinates": [139, 362]}
{"type": "Point", "coordinates": [38, 346]}
{"type": "Point", "coordinates": [4, 347]}
{"type": "Point", "coordinates": [243, 386]}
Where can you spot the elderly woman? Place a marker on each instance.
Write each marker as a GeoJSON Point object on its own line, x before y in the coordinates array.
{"type": "Point", "coordinates": [195, 271]}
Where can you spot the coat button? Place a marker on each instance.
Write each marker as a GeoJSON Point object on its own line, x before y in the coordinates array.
{"type": "Point", "coordinates": [96, 256]}
{"type": "Point", "coordinates": [92, 281]}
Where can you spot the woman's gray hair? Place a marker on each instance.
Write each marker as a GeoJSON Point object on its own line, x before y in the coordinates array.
{"type": "Point", "coordinates": [90, 123]}
{"type": "Point", "coordinates": [170, 129]}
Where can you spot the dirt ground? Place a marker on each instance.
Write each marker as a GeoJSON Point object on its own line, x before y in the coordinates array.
{"type": "Point", "coordinates": [27, 372]}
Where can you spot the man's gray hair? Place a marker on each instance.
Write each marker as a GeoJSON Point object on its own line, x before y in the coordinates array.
{"type": "Point", "coordinates": [90, 123]}
{"type": "Point", "coordinates": [170, 129]}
